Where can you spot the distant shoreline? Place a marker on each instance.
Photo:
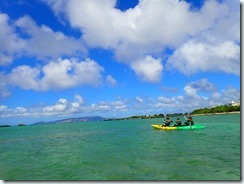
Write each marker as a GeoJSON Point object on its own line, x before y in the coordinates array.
{"type": "Point", "coordinates": [217, 113]}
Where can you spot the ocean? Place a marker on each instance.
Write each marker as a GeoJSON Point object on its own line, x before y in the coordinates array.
{"type": "Point", "coordinates": [123, 150]}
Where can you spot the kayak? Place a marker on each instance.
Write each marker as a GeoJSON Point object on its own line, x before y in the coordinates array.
{"type": "Point", "coordinates": [196, 126]}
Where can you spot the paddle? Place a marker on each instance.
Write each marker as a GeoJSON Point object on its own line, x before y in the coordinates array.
{"type": "Point", "coordinates": [186, 120]}
{"type": "Point", "coordinates": [164, 118]}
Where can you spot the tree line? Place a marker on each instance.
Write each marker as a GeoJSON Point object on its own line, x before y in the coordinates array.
{"type": "Point", "coordinates": [212, 110]}
{"type": "Point", "coordinates": [217, 109]}
{"type": "Point", "coordinates": [147, 116]}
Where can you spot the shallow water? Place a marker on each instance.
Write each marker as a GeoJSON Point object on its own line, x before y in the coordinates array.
{"type": "Point", "coordinates": [122, 150]}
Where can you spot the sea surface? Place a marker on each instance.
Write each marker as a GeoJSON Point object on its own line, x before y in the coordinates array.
{"type": "Point", "coordinates": [122, 150]}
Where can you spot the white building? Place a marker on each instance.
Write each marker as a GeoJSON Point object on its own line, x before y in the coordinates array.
{"type": "Point", "coordinates": [235, 103]}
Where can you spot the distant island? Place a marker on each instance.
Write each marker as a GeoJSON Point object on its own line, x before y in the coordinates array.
{"type": "Point", "coordinates": [1, 126]}
{"type": "Point", "coordinates": [221, 109]}
{"type": "Point", "coordinates": [72, 120]}
{"type": "Point", "coordinates": [145, 116]}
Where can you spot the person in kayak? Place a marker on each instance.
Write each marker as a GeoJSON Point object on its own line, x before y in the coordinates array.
{"type": "Point", "coordinates": [178, 122]}
{"type": "Point", "coordinates": [189, 121]}
{"type": "Point", "coordinates": [167, 122]}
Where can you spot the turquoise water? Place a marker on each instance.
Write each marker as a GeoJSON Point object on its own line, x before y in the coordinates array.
{"type": "Point", "coordinates": [122, 150]}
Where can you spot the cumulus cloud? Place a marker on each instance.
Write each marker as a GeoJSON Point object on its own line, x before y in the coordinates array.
{"type": "Point", "coordinates": [68, 73]}
{"type": "Point", "coordinates": [134, 34]}
{"type": "Point", "coordinates": [193, 57]}
{"type": "Point", "coordinates": [148, 69]}
{"type": "Point", "coordinates": [44, 42]}
{"type": "Point", "coordinates": [135, 25]}
{"type": "Point", "coordinates": [147, 29]}
{"type": "Point", "coordinates": [11, 45]}
{"type": "Point", "coordinates": [24, 37]}
{"type": "Point", "coordinates": [60, 106]}
{"type": "Point", "coordinates": [24, 77]}
{"type": "Point", "coordinates": [56, 75]}
{"type": "Point", "coordinates": [215, 49]}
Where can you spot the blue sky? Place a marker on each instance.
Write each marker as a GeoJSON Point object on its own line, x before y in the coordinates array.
{"type": "Point", "coordinates": [111, 58]}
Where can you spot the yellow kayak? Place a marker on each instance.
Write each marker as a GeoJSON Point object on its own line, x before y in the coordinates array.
{"type": "Point", "coordinates": [163, 128]}
{"type": "Point", "coordinates": [179, 127]}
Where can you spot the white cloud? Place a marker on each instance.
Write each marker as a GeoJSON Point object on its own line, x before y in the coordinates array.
{"type": "Point", "coordinates": [60, 106]}
{"type": "Point", "coordinates": [24, 77]}
{"type": "Point", "coordinates": [3, 86]}
{"type": "Point", "coordinates": [204, 40]}
{"type": "Point", "coordinates": [225, 96]}
{"type": "Point", "coordinates": [164, 103]}
{"type": "Point", "coordinates": [227, 27]}
{"type": "Point", "coordinates": [147, 24]}
{"type": "Point", "coordinates": [3, 107]}
{"type": "Point", "coordinates": [79, 99]}
{"type": "Point", "coordinates": [140, 100]}
{"type": "Point", "coordinates": [100, 107]}
{"type": "Point", "coordinates": [148, 69]}
{"type": "Point", "coordinates": [165, 100]}
{"type": "Point", "coordinates": [137, 23]}
{"type": "Point", "coordinates": [24, 37]}
{"type": "Point", "coordinates": [200, 85]}
{"type": "Point", "coordinates": [44, 42]}
{"type": "Point", "coordinates": [147, 29]}
{"type": "Point", "coordinates": [216, 48]}
{"type": "Point", "coordinates": [139, 105]}
{"type": "Point", "coordinates": [193, 99]}
{"type": "Point", "coordinates": [190, 91]}
{"type": "Point", "coordinates": [111, 81]}
{"type": "Point", "coordinates": [21, 109]}
{"type": "Point", "coordinates": [203, 85]}
{"type": "Point", "coordinates": [136, 33]}
{"type": "Point", "coordinates": [193, 57]}
{"type": "Point", "coordinates": [68, 73]}
{"type": "Point", "coordinates": [11, 45]}
{"type": "Point", "coordinates": [119, 105]}
{"type": "Point", "coordinates": [56, 75]}
{"type": "Point", "coordinates": [107, 107]}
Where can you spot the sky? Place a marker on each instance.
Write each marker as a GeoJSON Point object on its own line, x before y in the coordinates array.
{"type": "Point", "coordinates": [75, 58]}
